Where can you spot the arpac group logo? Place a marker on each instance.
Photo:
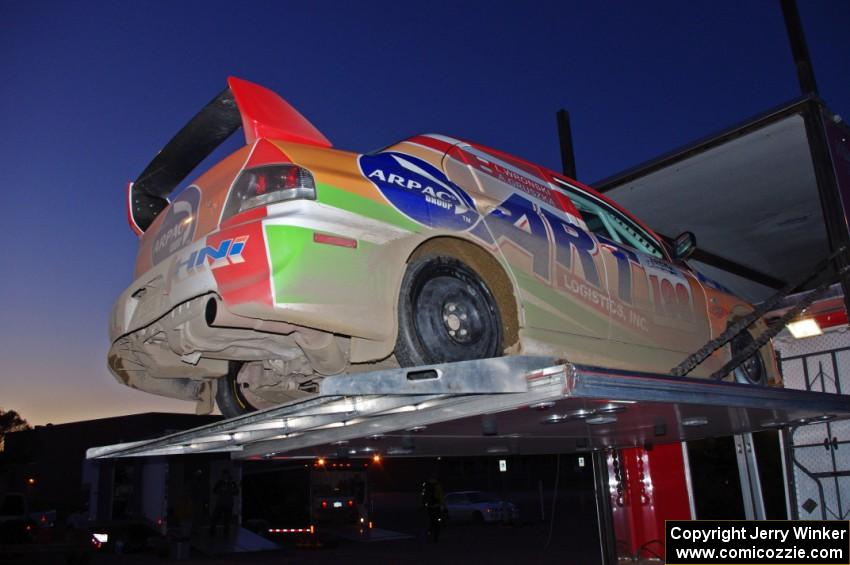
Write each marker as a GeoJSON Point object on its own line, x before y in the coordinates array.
{"type": "Point", "coordinates": [178, 226]}
{"type": "Point", "coordinates": [420, 191]}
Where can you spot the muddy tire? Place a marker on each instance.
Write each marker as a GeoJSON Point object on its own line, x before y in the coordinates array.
{"type": "Point", "coordinates": [446, 313]}
{"type": "Point", "coordinates": [228, 396]}
{"type": "Point", "coordinates": [752, 371]}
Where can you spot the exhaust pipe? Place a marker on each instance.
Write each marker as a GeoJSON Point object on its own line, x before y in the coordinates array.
{"type": "Point", "coordinates": [321, 348]}
{"type": "Point", "coordinates": [218, 316]}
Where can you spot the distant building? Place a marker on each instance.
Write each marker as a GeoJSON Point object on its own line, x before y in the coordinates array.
{"type": "Point", "coordinates": [48, 463]}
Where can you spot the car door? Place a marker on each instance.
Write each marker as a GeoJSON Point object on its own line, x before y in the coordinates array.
{"type": "Point", "coordinates": [657, 306]}
{"type": "Point", "coordinates": [559, 272]}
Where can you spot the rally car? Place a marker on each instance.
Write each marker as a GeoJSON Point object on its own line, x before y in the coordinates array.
{"type": "Point", "coordinates": [290, 260]}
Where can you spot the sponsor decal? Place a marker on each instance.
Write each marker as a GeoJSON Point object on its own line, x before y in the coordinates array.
{"type": "Point", "coordinates": [420, 191]}
{"type": "Point", "coordinates": [666, 298]}
{"type": "Point", "coordinates": [604, 304]}
{"type": "Point", "coordinates": [670, 292]}
{"type": "Point", "coordinates": [178, 226]}
{"type": "Point", "coordinates": [530, 184]}
{"type": "Point", "coordinates": [228, 252]}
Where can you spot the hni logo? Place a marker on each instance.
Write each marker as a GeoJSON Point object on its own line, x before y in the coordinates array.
{"type": "Point", "coordinates": [229, 252]}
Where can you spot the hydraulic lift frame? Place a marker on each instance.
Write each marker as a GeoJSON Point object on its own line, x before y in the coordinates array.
{"type": "Point", "coordinates": [424, 410]}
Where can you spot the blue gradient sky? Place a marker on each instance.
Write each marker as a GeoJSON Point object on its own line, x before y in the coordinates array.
{"type": "Point", "coordinates": [91, 91]}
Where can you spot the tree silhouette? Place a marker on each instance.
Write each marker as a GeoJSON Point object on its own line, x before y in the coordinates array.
{"type": "Point", "coordinates": [10, 421]}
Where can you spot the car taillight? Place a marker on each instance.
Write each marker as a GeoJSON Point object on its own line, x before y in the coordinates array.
{"type": "Point", "coordinates": [324, 504]}
{"type": "Point", "coordinates": [351, 503]}
{"type": "Point", "coordinates": [268, 184]}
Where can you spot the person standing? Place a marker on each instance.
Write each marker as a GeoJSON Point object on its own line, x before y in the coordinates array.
{"type": "Point", "coordinates": [225, 490]}
{"type": "Point", "coordinates": [432, 501]}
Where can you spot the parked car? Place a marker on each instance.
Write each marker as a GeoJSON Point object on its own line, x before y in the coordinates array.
{"type": "Point", "coordinates": [34, 537]}
{"type": "Point", "coordinates": [290, 260]}
{"type": "Point", "coordinates": [20, 524]}
{"type": "Point", "coordinates": [479, 507]}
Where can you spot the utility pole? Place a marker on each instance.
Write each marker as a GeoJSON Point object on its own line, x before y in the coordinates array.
{"type": "Point", "coordinates": [799, 50]}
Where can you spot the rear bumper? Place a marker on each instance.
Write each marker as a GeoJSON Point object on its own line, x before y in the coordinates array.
{"type": "Point", "coordinates": [279, 290]}
{"type": "Point", "coordinates": [276, 268]}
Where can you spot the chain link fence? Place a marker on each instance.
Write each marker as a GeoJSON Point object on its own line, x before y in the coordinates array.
{"type": "Point", "coordinates": [818, 454]}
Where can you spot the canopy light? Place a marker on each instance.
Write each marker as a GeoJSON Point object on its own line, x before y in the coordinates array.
{"type": "Point", "coordinates": [804, 328]}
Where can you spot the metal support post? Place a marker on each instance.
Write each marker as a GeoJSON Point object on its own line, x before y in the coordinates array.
{"type": "Point", "coordinates": [565, 136]}
{"type": "Point", "coordinates": [686, 461]}
{"type": "Point", "coordinates": [799, 50]}
{"type": "Point", "coordinates": [827, 185]}
{"type": "Point", "coordinates": [748, 472]}
{"type": "Point", "coordinates": [604, 515]}
{"type": "Point", "coordinates": [791, 512]}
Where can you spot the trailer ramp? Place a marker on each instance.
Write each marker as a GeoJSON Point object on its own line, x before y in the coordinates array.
{"type": "Point", "coordinates": [502, 406]}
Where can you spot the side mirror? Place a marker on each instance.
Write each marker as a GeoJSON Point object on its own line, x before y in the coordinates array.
{"type": "Point", "coordinates": [684, 245]}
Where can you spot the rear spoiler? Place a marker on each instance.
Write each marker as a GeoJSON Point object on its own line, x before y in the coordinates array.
{"type": "Point", "coordinates": [260, 112]}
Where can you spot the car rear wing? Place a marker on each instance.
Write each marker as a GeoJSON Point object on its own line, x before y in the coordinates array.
{"type": "Point", "coordinates": [260, 112]}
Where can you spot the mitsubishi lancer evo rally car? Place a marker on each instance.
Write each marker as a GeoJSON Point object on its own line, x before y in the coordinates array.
{"type": "Point", "coordinates": [290, 260]}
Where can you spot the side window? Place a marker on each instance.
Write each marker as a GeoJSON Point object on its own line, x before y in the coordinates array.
{"type": "Point", "coordinates": [633, 235]}
{"type": "Point", "coordinates": [606, 221]}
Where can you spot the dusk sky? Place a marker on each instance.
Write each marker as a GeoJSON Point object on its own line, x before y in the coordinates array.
{"type": "Point", "coordinates": [93, 90]}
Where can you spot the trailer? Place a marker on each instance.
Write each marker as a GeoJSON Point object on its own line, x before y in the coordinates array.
{"type": "Point", "coordinates": [627, 422]}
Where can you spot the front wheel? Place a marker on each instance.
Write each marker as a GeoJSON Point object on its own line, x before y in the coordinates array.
{"type": "Point", "coordinates": [446, 313]}
{"type": "Point", "coordinates": [752, 371]}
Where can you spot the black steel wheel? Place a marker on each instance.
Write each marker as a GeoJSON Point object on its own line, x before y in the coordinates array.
{"type": "Point", "coordinates": [751, 371]}
{"type": "Point", "coordinates": [446, 313]}
{"type": "Point", "coordinates": [228, 395]}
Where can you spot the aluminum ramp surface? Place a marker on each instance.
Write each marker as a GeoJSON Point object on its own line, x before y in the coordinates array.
{"type": "Point", "coordinates": [507, 405]}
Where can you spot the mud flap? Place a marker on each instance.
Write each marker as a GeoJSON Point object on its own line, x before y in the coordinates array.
{"type": "Point", "coordinates": [206, 397]}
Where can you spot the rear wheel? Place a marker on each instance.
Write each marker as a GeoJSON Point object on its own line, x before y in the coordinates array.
{"type": "Point", "coordinates": [229, 395]}
{"type": "Point", "coordinates": [446, 313]}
